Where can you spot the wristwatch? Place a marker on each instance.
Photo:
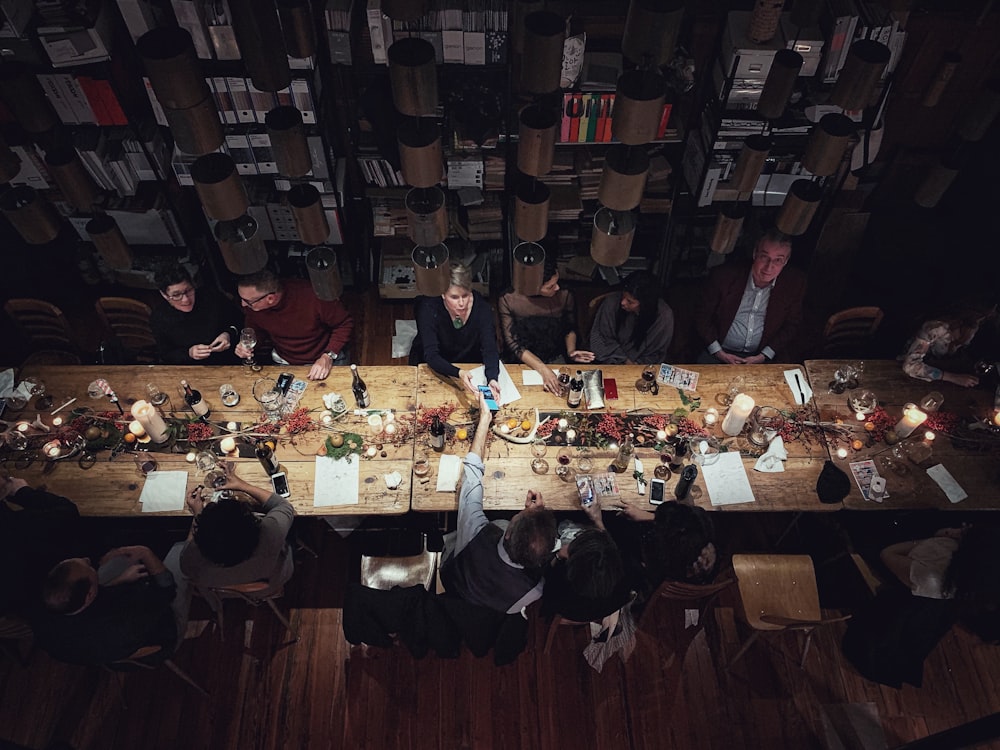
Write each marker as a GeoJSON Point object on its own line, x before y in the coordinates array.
{"type": "Point", "coordinates": [332, 355]}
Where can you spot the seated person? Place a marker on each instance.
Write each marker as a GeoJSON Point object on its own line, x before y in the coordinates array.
{"type": "Point", "coordinates": [634, 326]}
{"type": "Point", "coordinates": [457, 327]}
{"type": "Point", "coordinates": [586, 581]}
{"type": "Point", "coordinates": [91, 616]}
{"type": "Point", "coordinates": [750, 314]}
{"type": "Point", "coordinates": [229, 544]}
{"type": "Point", "coordinates": [941, 343]}
{"type": "Point", "coordinates": [191, 327]}
{"type": "Point", "coordinates": [304, 329]}
{"type": "Point", "coordinates": [541, 329]}
{"type": "Point", "coordinates": [484, 563]}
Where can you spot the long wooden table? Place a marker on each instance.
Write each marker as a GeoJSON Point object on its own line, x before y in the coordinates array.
{"type": "Point", "coordinates": [977, 471]}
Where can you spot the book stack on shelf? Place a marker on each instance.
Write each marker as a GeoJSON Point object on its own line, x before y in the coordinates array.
{"type": "Point", "coordinates": [485, 221]}
{"type": "Point", "coordinates": [846, 22]}
{"type": "Point", "coordinates": [339, 20]}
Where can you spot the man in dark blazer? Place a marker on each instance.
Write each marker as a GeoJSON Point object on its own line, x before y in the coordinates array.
{"type": "Point", "coordinates": [751, 314]}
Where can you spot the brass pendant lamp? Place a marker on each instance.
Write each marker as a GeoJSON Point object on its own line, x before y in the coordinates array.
{"type": "Point", "coordinates": [77, 186]}
{"type": "Point", "coordinates": [288, 141]}
{"type": "Point", "coordinates": [432, 269]}
{"type": "Point", "coordinates": [544, 36]}
{"type": "Point", "coordinates": [219, 186]}
{"type": "Point", "coordinates": [638, 107]}
{"type": "Point", "coordinates": [651, 29]}
{"type": "Point", "coordinates": [750, 163]}
{"type": "Point", "coordinates": [324, 274]}
{"type": "Point", "coordinates": [611, 239]}
{"type": "Point", "coordinates": [24, 97]}
{"type": "Point", "coordinates": [529, 268]}
{"type": "Point", "coordinates": [426, 216]}
{"type": "Point", "coordinates": [297, 28]}
{"type": "Point", "coordinates": [531, 209]}
{"type": "Point", "coordinates": [107, 237]}
{"type": "Point", "coordinates": [799, 207]}
{"type": "Point", "coordinates": [537, 130]}
{"type": "Point", "coordinates": [828, 141]}
{"type": "Point", "coordinates": [34, 218]}
{"type": "Point", "coordinates": [764, 20]}
{"type": "Point", "coordinates": [420, 152]}
{"type": "Point", "coordinates": [779, 84]}
{"type": "Point", "coordinates": [728, 225]}
{"type": "Point", "coordinates": [310, 218]}
{"type": "Point", "coordinates": [413, 76]}
{"type": "Point", "coordinates": [241, 245]}
{"type": "Point", "coordinates": [258, 34]}
{"type": "Point", "coordinates": [942, 77]}
{"type": "Point", "coordinates": [855, 87]}
{"type": "Point", "coordinates": [624, 177]}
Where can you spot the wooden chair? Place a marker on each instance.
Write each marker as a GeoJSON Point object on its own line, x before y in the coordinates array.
{"type": "Point", "coordinates": [703, 595]}
{"type": "Point", "coordinates": [135, 661]}
{"type": "Point", "coordinates": [849, 333]}
{"type": "Point", "coordinates": [778, 593]}
{"type": "Point", "coordinates": [127, 321]}
{"type": "Point", "coordinates": [252, 593]}
{"type": "Point", "coordinates": [386, 571]}
{"type": "Point", "coordinates": [42, 324]}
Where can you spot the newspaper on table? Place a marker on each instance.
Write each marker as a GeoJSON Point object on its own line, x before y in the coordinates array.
{"type": "Point", "coordinates": [686, 380]}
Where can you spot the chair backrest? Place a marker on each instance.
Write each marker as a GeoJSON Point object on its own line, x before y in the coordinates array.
{"type": "Point", "coordinates": [850, 332]}
{"type": "Point", "coordinates": [242, 589]}
{"type": "Point", "coordinates": [781, 585]}
{"type": "Point", "coordinates": [385, 571]}
{"type": "Point", "coordinates": [692, 592]}
{"type": "Point", "coordinates": [127, 320]}
{"type": "Point", "coordinates": [588, 323]}
{"type": "Point", "coordinates": [42, 323]}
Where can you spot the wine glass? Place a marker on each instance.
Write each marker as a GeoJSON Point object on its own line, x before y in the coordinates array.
{"type": "Point", "coordinates": [736, 386]}
{"type": "Point", "coordinates": [248, 339]}
{"type": "Point", "coordinates": [538, 464]}
{"type": "Point", "coordinates": [96, 389]}
{"type": "Point", "coordinates": [862, 402]}
{"type": "Point", "coordinates": [157, 397]}
{"type": "Point", "coordinates": [563, 470]}
{"type": "Point", "coordinates": [585, 460]}
{"type": "Point", "coordinates": [206, 461]}
{"type": "Point", "coordinates": [37, 388]}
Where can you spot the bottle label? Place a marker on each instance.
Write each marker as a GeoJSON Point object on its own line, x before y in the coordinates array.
{"type": "Point", "coordinates": [362, 398]}
{"type": "Point", "coordinates": [574, 398]}
{"type": "Point", "coordinates": [200, 408]}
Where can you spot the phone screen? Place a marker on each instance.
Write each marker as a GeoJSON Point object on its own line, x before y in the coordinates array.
{"type": "Point", "coordinates": [656, 491]}
{"type": "Point", "coordinates": [491, 402]}
{"type": "Point", "coordinates": [280, 484]}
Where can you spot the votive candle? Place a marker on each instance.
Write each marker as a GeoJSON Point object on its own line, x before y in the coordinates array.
{"type": "Point", "coordinates": [190, 457]}
{"type": "Point", "coordinates": [372, 450]}
{"type": "Point", "coordinates": [326, 417]}
{"type": "Point", "coordinates": [563, 424]}
{"type": "Point", "coordinates": [390, 428]}
{"type": "Point", "coordinates": [841, 452]}
{"type": "Point", "coordinates": [912, 419]}
{"type": "Point", "coordinates": [737, 415]}
{"type": "Point", "coordinates": [711, 416]}
{"type": "Point", "coordinates": [232, 426]}
{"type": "Point", "coordinates": [57, 422]}
{"type": "Point", "coordinates": [228, 445]}
{"type": "Point", "coordinates": [136, 428]}
{"type": "Point", "coordinates": [928, 436]}
{"type": "Point", "coordinates": [52, 449]}
{"type": "Point", "coordinates": [23, 427]}
{"type": "Point", "coordinates": [661, 435]}
{"type": "Point", "coordinates": [860, 416]}
{"type": "Point", "coordinates": [570, 436]}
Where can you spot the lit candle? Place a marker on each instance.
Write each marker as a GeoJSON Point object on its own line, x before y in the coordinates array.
{"type": "Point", "coordinates": [190, 457]}
{"type": "Point", "coordinates": [737, 415]}
{"type": "Point", "coordinates": [372, 450]}
{"type": "Point", "coordinates": [661, 435]}
{"type": "Point", "coordinates": [841, 452]}
{"type": "Point", "coordinates": [150, 419]}
{"type": "Point", "coordinates": [912, 419]}
{"type": "Point", "coordinates": [135, 427]}
{"type": "Point", "coordinates": [23, 427]}
{"type": "Point", "coordinates": [232, 426]}
{"type": "Point", "coordinates": [711, 416]}
{"type": "Point", "coordinates": [389, 429]}
{"type": "Point", "coordinates": [570, 436]}
{"type": "Point", "coordinates": [860, 416]}
{"type": "Point", "coordinates": [326, 417]}
{"type": "Point", "coordinates": [228, 445]}
{"type": "Point", "coordinates": [928, 436]}
{"type": "Point", "coordinates": [389, 417]}
{"type": "Point", "coordinates": [996, 419]}
{"type": "Point", "coordinates": [57, 422]}
{"type": "Point", "coordinates": [563, 424]}
{"type": "Point", "coordinates": [52, 449]}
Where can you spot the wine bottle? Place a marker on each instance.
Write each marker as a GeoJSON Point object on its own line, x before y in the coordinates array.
{"type": "Point", "coordinates": [575, 390]}
{"type": "Point", "coordinates": [360, 389]}
{"type": "Point", "coordinates": [677, 461]}
{"type": "Point", "coordinates": [625, 451]}
{"type": "Point", "coordinates": [437, 434]}
{"type": "Point", "coordinates": [265, 454]}
{"type": "Point", "coordinates": [193, 398]}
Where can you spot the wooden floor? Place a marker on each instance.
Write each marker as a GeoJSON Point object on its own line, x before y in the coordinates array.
{"type": "Point", "coordinates": [673, 693]}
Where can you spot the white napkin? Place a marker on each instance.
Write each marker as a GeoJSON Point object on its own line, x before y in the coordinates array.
{"type": "Point", "coordinates": [163, 490]}
{"type": "Point", "coordinates": [802, 383]}
{"type": "Point", "coordinates": [7, 388]}
{"type": "Point", "coordinates": [449, 469]}
{"type": "Point", "coordinates": [772, 459]}
{"type": "Point", "coordinates": [406, 331]}
{"type": "Point", "coordinates": [947, 483]}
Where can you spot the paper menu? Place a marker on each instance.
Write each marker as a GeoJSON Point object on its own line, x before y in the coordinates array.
{"type": "Point", "coordinates": [163, 491]}
{"type": "Point", "coordinates": [336, 481]}
{"type": "Point", "coordinates": [726, 480]}
{"type": "Point", "coordinates": [947, 483]}
{"type": "Point", "coordinates": [508, 391]}
{"type": "Point", "coordinates": [678, 377]}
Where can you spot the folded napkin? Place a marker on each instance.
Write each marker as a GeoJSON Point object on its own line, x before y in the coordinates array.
{"type": "Point", "coordinates": [449, 471]}
{"type": "Point", "coordinates": [773, 456]}
{"type": "Point", "coordinates": [7, 389]}
{"type": "Point", "coordinates": [798, 385]}
{"type": "Point", "coordinates": [163, 491]}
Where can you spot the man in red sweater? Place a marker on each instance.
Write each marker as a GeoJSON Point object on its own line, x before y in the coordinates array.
{"type": "Point", "coordinates": [304, 329]}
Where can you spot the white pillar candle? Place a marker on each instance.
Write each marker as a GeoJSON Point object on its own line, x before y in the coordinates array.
{"type": "Point", "coordinates": [151, 420]}
{"type": "Point", "coordinates": [227, 444]}
{"type": "Point", "coordinates": [372, 450]}
{"type": "Point", "coordinates": [912, 419]}
{"type": "Point", "coordinates": [737, 415]}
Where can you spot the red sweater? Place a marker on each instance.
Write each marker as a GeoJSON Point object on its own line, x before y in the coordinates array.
{"type": "Point", "coordinates": [301, 326]}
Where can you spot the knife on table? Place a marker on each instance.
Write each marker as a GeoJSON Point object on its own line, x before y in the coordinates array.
{"type": "Point", "coordinates": [798, 384]}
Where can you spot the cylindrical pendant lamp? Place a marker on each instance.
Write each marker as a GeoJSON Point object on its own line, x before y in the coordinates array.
{"type": "Point", "coordinates": [638, 107]}
{"type": "Point", "coordinates": [413, 76]}
{"type": "Point", "coordinates": [297, 27]}
{"type": "Point", "coordinates": [936, 182]}
{"type": "Point", "coordinates": [651, 29]}
{"type": "Point", "coordinates": [24, 97]}
{"type": "Point", "coordinates": [624, 177]}
{"type": "Point", "coordinates": [420, 153]}
{"type": "Point", "coordinates": [197, 129]}
{"type": "Point", "coordinates": [219, 186]}
{"type": "Point", "coordinates": [779, 84]}
{"type": "Point", "coordinates": [426, 216]}
{"type": "Point", "coordinates": [800, 205]}
{"type": "Point", "coordinates": [405, 10]}
{"type": "Point", "coordinates": [529, 268]}
{"type": "Point", "coordinates": [324, 273]}
{"type": "Point", "coordinates": [856, 84]}
{"type": "Point", "coordinates": [828, 140]}
{"type": "Point", "coordinates": [750, 162]}
{"type": "Point", "coordinates": [288, 141]}
{"type": "Point", "coordinates": [942, 76]}
{"type": "Point", "coordinates": [806, 13]}
{"type": "Point", "coordinates": [728, 225]}
{"type": "Point", "coordinates": [764, 20]}
{"type": "Point", "coordinates": [544, 35]}
{"type": "Point", "coordinates": [258, 33]}
{"type": "Point", "coordinates": [980, 112]}
{"type": "Point", "coordinates": [171, 63]}
{"type": "Point", "coordinates": [34, 218]}
{"type": "Point", "coordinates": [537, 128]}
{"type": "Point", "coordinates": [107, 237]}
{"type": "Point", "coordinates": [521, 10]}
{"type": "Point", "coordinates": [612, 237]}
{"type": "Point", "coordinates": [10, 163]}
{"type": "Point", "coordinates": [241, 245]}
{"type": "Point", "coordinates": [431, 267]}
{"type": "Point", "coordinates": [310, 218]}
{"type": "Point", "coordinates": [531, 210]}
{"type": "Point", "coordinates": [77, 186]}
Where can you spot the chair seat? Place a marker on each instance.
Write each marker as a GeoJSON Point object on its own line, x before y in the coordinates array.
{"type": "Point", "coordinates": [386, 572]}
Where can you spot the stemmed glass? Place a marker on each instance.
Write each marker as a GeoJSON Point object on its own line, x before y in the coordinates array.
{"type": "Point", "coordinates": [538, 464]}
{"type": "Point", "coordinates": [157, 397]}
{"type": "Point", "coordinates": [248, 339]}
{"type": "Point", "coordinates": [647, 381]}
{"type": "Point", "coordinates": [37, 386]}
{"type": "Point", "coordinates": [736, 386]}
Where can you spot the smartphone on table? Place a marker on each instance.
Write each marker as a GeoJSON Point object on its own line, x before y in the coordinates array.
{"type": "Point", "coordinates": [491, 403]}
{"type": "Point", "coordinates": [656, 487]}
{"type": "Point", "coordinates": [280, 483]}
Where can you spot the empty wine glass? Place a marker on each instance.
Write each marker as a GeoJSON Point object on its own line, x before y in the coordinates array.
{"type": "Point", "coordinates": [37, 388]}
{"type": "Point", "coordinates": [736, 386]}
{"type": "Point", "coordinates": [248, 339]}
{"type": "Point", "coordinates": [157, 397]}
{"type": "Point", "coordinates": [585, 460]}
{"type": "Point", "coordinates": [206, 461]}
{"type": "Point", "coordinates": [98, 388]}
{"type": "Point", "coordinates": [538, 464]}
{"type": "Point", "coordinates": [862, 402]}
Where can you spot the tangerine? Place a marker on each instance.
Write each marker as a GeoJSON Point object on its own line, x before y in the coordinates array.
{"type": "Point", "coordinates": [461, 433]}
{"type": "Point", "coordinates": [128, 437]}
{"type": "Point", "coordinates": [526, 424]}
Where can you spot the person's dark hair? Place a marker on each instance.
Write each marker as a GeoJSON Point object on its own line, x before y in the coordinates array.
{"type": "Point", "coordinates": [65, 590]}
{"type": "Point", "coordinates": [594, 567]}
{"type": "Point", "coordinates": [677, 548]}
{"type": "Point", "coordinates": [532, 536]}
{"type": "Point", "coordinates": [644, 287]}
{"type": "Point", "coordinates": [167, 277]}
{"type": "Point", "coordinates": [974, 576]}
{"type": "Point", "coordinates": [227, 532]}
{"type": "Point", "coordinates": [551, 267]}
{"type": "Point", "coordinates": [265, 281]}
{"type": "Point", "coordinates": [775, 236]}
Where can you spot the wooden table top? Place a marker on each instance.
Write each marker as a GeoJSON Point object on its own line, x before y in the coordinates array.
{"type": "Point", "coordinates": [977, 471]}
{"type": "Point", "coordinates": [112, 488]}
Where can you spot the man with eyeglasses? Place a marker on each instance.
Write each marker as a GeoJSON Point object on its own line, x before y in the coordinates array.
{"type": "Point", "coordinates": [304, 329]}
{"type": "Point", "coordinates": [193, 328]}
{"type": "Point", "coordinates": [749, 315]}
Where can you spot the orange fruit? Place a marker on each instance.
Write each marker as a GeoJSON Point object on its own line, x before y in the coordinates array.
{"type": "Point", "coordinates": [857, 445]}
{"type": "Point", "coordinates": [128, 437]}
{"type": "Point", "coordinates": [526, 424]}
{"type": "Point", "coordinates": [512, 423]}
{"type": "Point", "coordinates": [461, 433]}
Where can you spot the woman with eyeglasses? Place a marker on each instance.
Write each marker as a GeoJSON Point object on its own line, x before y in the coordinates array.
{"type": "Point", "coordinates": [193, 328]}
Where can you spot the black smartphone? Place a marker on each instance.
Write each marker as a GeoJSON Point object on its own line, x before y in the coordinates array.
{"type": "Point", "coordinates": [491, 403]}
{"type": "Point", "coordinates": [656, 487]}
{"type": "Point", "coordinates": [285, 380]}
{"type": "Point", "coordinates": [683, 488]}
{"type": "Point", "coordinates": [280, 483]}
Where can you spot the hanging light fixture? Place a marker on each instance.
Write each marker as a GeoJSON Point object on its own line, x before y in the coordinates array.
{"type": "Point", "coordinates": [779, 84]}
{"type": "Point", "coordinates": [258, 34]}
{"type": "Point", "coordinates": [73, 179]}
{"type": "Point", "coordinates": [651, 29]}
{"type": "Point", "coordinates": [942, 77]}
{"type": "Point", "coordinates": [828, 141]}
{"type": "Point", "coordinates": [544, 35]}
{"type": "Point", "coordinates": [537, 127]}
{"type": "Point", "coordinates": [531, 209]}
{"type": "Point", "coordinates": [611, 239]}
{"type": "Point", "coordinates": [24, 97]}
{"type": "Point", "coordinates": [764, 20]}
{"type": "Point", "coordinates": [297, 28]}
{"type": "Point", "coordinates": [638, 108]}
{"type": "Point", "coordinates": [855, 87]}
{"type": "Point", "coordinates": [420, 152]}
{"type": "Point", "coordinates": [34, 218]}
{"type": "Point", "coordinates": [432, 270]}
{"type": "Point", "coordinates": [750, 163]}
{"type": "Point", "coordinates": [219, 186]}
{"type": "Point", "coordinates": [241, 245]}
{"type": "Point", "coordinates": [529, 268]}
{"type": "Point", "coordinates": [728, 225]}
{"type": "Point", "coordinates": [413, 76]}
{"type": "Point", "coordinates": [107, 237]}
{"type": "Point", "coordinates": [288, 141]}
{"type": "Point", "coordinates": [799, 207]}
{"type": "Point", "coordinates": [310, 218]}
{"type": "Point", "coordinates": [623, 178]}
{"type": "Point", "coordinates": [521, 10]}
{"type": "Point", "coordinates": [426, 216]}
{"type": "Point", "coordinates": [324, 274]}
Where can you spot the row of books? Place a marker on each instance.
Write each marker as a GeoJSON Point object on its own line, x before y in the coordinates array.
{"type": "Point", "coordinates": [469, 32]}
{"type": "Point", "coordinates": [378, 171]}
{"type": "Point", "coordinates": [251, 150]}
{"type": "Point", "coordinates": [80, 100]}
{"type": "Point", "coordinates": [848, 21]}
{"type": "Point", "coordinates": [587, 118]}
{"type": "Point", "coordinates": [117, 159]}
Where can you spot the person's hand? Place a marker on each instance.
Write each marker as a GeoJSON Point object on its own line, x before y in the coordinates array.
{"type": "Point", "coordinates": [466, 377]}
{"type": "Point", "coordinates": [756, 359]}
{"type": "Point", "coordinates": [581, 355]}
{"type": "Point", "coordinates": [633, 512]}
{"type": "Point", "coordinates": [593, 512]}
{"type": "Point", "coordinates": [243, 353]}
{"type": "Point", "coordinates": [320, 368]}
{"type": "Point", "coordinates": [729, 359]}
{"type": "Point", "coordinates": [134, 572]}
{"type": "Point", "coordinates": [9, 487]}
{"type": "Point", "coordinates": [195, 500]}
{"type": "Point", "coordinates": [550, 381]}
{"type": "Point", "coordinates": [232, 482]}
{"type": "Point", "coordinates": [485, 414]}
{"type": "Point", "coordinates": [534, 500]}
{"type": "Point", "coordinates": [495, 387]}
{"type": "Point", "coordinates": [966, 381]}
{"type": "Point", "coordinates": [220, 343]}
{"type": "Point", "coordinates": [200, 351]}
